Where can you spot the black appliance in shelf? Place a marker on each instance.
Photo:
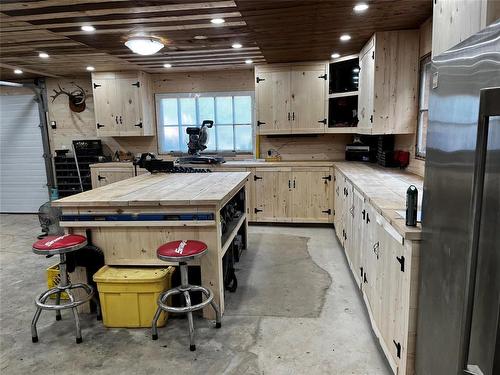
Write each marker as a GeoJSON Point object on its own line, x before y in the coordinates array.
{"type": "Point", "coordinates": [73, 171]}
{"type": "Point", "coordinates": [343, 111]}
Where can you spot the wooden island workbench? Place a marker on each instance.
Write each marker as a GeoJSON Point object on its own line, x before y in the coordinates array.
{"type": "Point", "coordinates": [128, 220]}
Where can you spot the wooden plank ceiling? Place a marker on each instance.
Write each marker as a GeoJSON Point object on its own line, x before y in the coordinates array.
{"type": "Point", "coordinates": [269, 30]}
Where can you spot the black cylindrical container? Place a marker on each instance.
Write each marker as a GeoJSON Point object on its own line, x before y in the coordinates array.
{"type": "Point", "coordinates": [411, 206]}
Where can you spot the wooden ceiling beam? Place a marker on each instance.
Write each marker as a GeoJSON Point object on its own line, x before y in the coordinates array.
{"type": "Point", "coordinates": [24, 69]}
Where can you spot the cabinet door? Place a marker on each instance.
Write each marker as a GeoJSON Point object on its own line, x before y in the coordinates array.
{"type": "Point", "coordinates": [357, 229]}
{"type": "Point", "coordinates": [308, 95]}
{"type": "Point", "coordinates": [369, 258]}
{"type": "Point", "coordinates": [392, 290]}
{"type": "Point", "coordinates": [366, 87]}
{"type": "Point", "coordinates": [273, 102]}
{"type": "Point", "coordinates": [311, 192]}
{"type": "Point", "coordinates": [272, 194]}
{"type": "Point", "coordinates": [339, 204]}
{"type": "Point", "coordinates": [105, 106]}
{"type": "Point", "coordinates": [105, 176]}
{"type": "Point", "coordinates": [130, 120]}
{"type": "Point", "coordinates": [348, 216]}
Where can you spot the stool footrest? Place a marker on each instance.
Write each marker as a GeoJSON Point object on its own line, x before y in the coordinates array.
{"type": "Point", "coordinates": [187, 288]}
{"type": "Point", "coordinates": [45, 295]}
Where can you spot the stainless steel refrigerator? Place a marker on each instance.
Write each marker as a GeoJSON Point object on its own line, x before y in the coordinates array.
{"type": "Point", "coordinates": [459, 296]}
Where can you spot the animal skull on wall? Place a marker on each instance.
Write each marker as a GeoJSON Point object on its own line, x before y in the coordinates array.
{"type": "Point", "coordinates": [76, 98]}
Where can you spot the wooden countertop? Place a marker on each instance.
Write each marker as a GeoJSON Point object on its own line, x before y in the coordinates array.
{"type": "Point", "coordinates": [257, 163]}
{"type": "Point", "coordinates": [385, 189]}
{"type": "Point", "coordinates": [162, 189]}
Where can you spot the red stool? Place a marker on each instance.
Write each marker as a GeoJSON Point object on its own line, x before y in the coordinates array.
{"type": "Point", "coordinates": [181, 252]}
{"type": "Point", "coordinates": [61, 245]}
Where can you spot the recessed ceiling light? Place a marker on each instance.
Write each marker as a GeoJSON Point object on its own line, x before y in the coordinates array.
{"type": "Point", "coordinates": [200, 37]}
{"type": "Point", "coordinates": [335, 55]}
{"type": "Point", "coordinates": [90, 68]}
{"type": "Point", "coordinates": [18, 71]}
{"type": "Point", "coordinates": [356, 70]}
{"type": "Point", "coordinates": [144, 45]}
{"type": "Point", "coordinates": [236, 45]}
{"type": "Point", "coordinates": [217, 21]}
{"type": "Point", "coordinates": [43, 55]}
{"type": "Point", "coordinates": [248, 61]}
{"type": "Point", "coordinates": [345, 37]}
{"type": "Point", "coordinates": [167, 65]}
{"type": "Point", "coordinates": [361, 7]}
{"type": "Point", "coordinates": [88, 28]}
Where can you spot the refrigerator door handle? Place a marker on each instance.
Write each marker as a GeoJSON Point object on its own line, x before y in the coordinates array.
{"type": "Point", "coordinates": [489, 105]}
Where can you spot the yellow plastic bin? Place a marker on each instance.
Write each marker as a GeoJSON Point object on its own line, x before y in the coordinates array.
{"type": "Point", "coordinates": [53, 279]}
{"type": "Point", "coordinates": [129, 295]}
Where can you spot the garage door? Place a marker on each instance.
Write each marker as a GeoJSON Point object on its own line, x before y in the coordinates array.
{"type": "Point", "coordinates": [23, 180]}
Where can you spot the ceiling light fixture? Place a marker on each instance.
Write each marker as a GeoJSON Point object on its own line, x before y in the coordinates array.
{"type": "Point", "coordinates": [43, 55]}
{"type": "Point", "coordinates": [200, 37]}
{"type": "Point", "coordinates": [355, 70]}
{"type": "Point", "coordinates": [217, 21]}
{"type": "Point", "coordinates": [90, 68]}
{"type": "Point", "coordinates": [345, 37]}
{"type": "Point", "coordinates": [335, 55]}
{"type": "Point", "coordinates": [248, 61]}
{"type": "Point", "coordinates": [236, 45]}
{"type": "Point", "coordinates": [18, 71]}
{"type": "Point", "coordinates": [361, 7]}
{"type": "Point", "coordinates": [144, 45]}
{"type": "Point", "coordinates": [88, 28]}
{"type": "Point", "coordinates": [167, 65]}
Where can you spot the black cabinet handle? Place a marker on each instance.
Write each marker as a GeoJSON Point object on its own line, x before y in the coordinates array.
{"type": "Point", "coordinates": [329, 211]}
{"type": "Point", "coordinates": [100, 178]}
{"type": "Point", "coordinates": [116, 119]}
{"type": "Point", "coordinates": [99, 126]}
{"type": "Point", "coordinates": [259, 79]}
{"type": "Point", "coordinates": [259, 123]}
{"type": "Point", "coordinates": [329, 177]}
{"type": "Point", "coordinates": [294, 184]}
{"type": "Point", "coordinates": [137, 84]}
{"type": "Point", "coordinates": [289, 184]}
{"type": "Point", "coordinates": [96, 85]}
{"type": "Point", "coordinates": [367, 218]}
{"type": "Point", "coordinates": [255, 178]}
{"type": "Point", "coordinates": [401, 261]}
{"type": "Point", "coordinates": [323, 121]}
{"type": "Point", "coordinates": [255, 210]}
{"type": "Point", "coordinates": [364, 214]}
{"type": "Point", "coordinates": [122, 122]}
{"type": "Point", "coordinates": [293, 116]}
{"type": "Point", "coordinates": [288, 116]}
{"type": "Point", "coordinates": [139, 125]}
{"type": "Point", "coordinates": [398, 348]}
{"type": "Point", "coordinates": [324, 76]}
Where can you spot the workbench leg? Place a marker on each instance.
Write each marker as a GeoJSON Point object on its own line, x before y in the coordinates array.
{"type": "Point", "coordinates": [211, 276]}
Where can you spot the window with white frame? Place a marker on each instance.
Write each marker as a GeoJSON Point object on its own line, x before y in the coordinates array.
{"type": "Point", "coordinates": [232, 113]}
{"type": "Point", "coordinates": [423, 106]}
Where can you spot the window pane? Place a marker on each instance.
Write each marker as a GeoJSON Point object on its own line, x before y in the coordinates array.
{"type": "Point", "coordinates": [211, 139]}
{"type": "Point", "coordinates": [170, 138]}
{"type": "Point", "coordinates": [243, 137]}
{"type": "Point", "coordinates": [169, 111]}
{"type": "Point", "coordinates": [184, 139]}
{"type": "Point", "coordinates": [188, 111]}
{"type": "Point", "coordinates": [242, 110]}
{"type": "Point", "coordinates": [423, 122]}
{"type": "Point", "coordinates": [225, 138]}
{"type": "Point", "coordinates": [206, 109]}
{"type": "Point", "coordinates": [425, 84]}
{"type": "Point", "coordinates": [224, 109]}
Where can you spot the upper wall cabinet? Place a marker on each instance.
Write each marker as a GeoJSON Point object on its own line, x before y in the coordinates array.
{"type": "Point", "coordinates": [123, 104]}
{"type": "Point", "coordinates": [291, 99]}
{"type": "Point", "coordinates": [388, 83]}
{"type": "Point", "coordinates": [455, 20]}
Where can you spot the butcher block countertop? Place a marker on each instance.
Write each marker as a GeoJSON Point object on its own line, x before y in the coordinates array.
{"type": "Point", "coordinates": [385, 189]}
{"type": "Point", "coordinates": [162, 189]}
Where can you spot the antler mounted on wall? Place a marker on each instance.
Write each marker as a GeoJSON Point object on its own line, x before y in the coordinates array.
{"type": "Point", "coordinates": [76, 98]}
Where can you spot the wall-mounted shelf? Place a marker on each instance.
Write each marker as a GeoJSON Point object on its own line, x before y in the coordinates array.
{"type": "Point", "coordinates": [343, 94]}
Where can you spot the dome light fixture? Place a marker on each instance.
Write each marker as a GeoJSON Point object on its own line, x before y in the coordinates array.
{"type": "Point", "coordinates": [345, 37]}
{"type": "Point", "coordinates": [144, 45]}
{"type": "Point", "coordinates": [217, 21]}
{"type": "Point", "coordinates": [236, 45]}
{"type": "Point", "coordinates": [248, 61]}
{"type": "Point", "coordinates": [335, 55]}
{"type": "Point", "coordinates": [18, 71]}
{"type": "Point", "coordinates": [43, 55]}
{"type": "Point", "coordinates": [90, 68]}
{"type": "Point", "coordinates": [88, 28]}
{"type": "Point", "coordinates": [361, 7]}
{"type": "Point", "coordinates": [167, 65]}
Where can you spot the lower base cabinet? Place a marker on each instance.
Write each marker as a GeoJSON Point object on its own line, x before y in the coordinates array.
{"type": "Point", "coordinates": [292, 194]}
{"type": "Point", "coordinates": [385, 267]}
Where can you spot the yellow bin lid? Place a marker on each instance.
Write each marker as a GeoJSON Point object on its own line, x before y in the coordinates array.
{"type": "Point", "coordinates": [131, 274]}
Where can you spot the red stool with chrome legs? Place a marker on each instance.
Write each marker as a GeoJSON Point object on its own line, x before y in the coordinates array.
{"type": "Point", "coordinates": [61, 245]}
{"type": "Point", "coordinates": [181, 252]}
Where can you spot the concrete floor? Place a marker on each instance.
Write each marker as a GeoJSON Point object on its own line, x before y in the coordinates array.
{"type": "Point", "coordinates": [331, 335]}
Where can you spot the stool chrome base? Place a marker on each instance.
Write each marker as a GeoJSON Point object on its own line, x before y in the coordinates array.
{"type": "Point", "coordinates": [184, 289]}
{"type": "Point", "coordinates": [67, 287]}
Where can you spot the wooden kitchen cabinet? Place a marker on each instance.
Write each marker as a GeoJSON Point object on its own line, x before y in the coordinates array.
{"type": "Point", "coordinates": [292, 194]}
{"type": "Point", "coordinates": [388, 83]}
{"type": "Point", "coordinates": [106, 173]}
{"type": "Point", "coordinates": [123, 104]}
{"type": "Point", "coordinates": [385, 267]}
{"type": "Point", "coordinates": [291, 99]}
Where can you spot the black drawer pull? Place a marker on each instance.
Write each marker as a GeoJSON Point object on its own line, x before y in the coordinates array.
{"type": "Point", "coordinates": [99, 178]}
{"type": "Point", "coordinates": [257, 210]}
{"type": "Point", "coordinates": [255, 178]}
